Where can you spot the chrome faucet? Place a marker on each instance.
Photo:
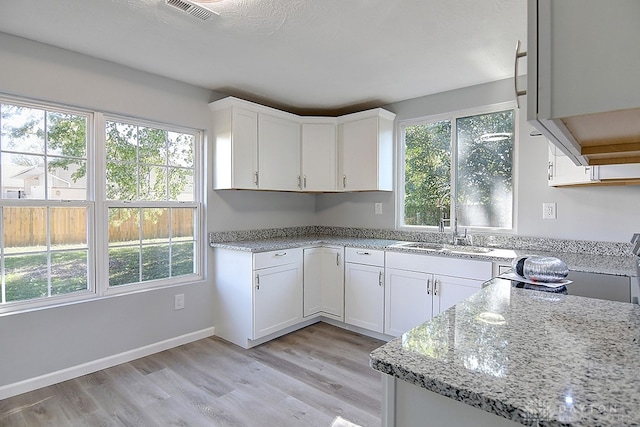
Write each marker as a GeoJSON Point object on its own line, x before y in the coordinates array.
{"type": "Point", "coordinates": [441, 206]}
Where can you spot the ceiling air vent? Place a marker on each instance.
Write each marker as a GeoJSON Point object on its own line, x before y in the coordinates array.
{"type": "Point", "coordinates": [191, 8]}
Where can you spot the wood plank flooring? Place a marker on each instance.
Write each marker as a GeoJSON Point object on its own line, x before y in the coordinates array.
{"type": "Point", "coordinates": [317, 376]}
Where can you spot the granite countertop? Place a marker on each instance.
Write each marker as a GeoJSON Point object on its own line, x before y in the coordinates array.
{"type": "Point", "coordinates": [532, 357]}
{"type": "Point", "coordinates": [589, 263]}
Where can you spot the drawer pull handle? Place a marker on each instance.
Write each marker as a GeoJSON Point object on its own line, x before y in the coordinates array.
{"type": "Point", "coordinates": [380, 279]}
{"type": "Point", "coordinates": [279, 254]}
{"type": "Point", "coordinates": [435, 287]}
{"type": "Point", "coordinates": [363, 253]}
{"type": "Point", "coordinates": [428, 286]}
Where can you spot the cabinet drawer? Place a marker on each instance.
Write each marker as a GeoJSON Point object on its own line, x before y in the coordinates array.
{"type": "Point", "coordinates": [365, 256]}
{"type": "Point", "coordinates": [275, 258]}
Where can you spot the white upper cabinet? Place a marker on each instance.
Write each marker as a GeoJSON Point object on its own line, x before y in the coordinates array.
{"type": "Point", "coordinates": [366, 151]}
{"type": "Point", "coordinates": [278, 153]}
{"type": "Point", "coordinates": [236, 148]}
{"type": "Point", "coordinates": [261, 148]}
{"type": "Point", "coordinates": [583, 90]}
{"type": "Point", "coordinates": [563, 172]}
{"type": "Point", "coordinates": [319, 157]}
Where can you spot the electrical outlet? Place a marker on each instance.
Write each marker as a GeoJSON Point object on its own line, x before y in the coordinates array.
{"type": "Point", "coordinates": [549, 210]}
{"type": "Point", "coordinates": [178, 302]}
{"type": "Point", "coordinates": [378, 208]}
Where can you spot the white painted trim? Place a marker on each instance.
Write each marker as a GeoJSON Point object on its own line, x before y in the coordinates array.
{"type": "Point", "coordinates": [51, 378]}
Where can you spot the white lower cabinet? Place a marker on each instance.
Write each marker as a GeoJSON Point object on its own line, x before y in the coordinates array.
{"type": "Point", "coordinates": [323, 288]}
{"type": "Point", "coordinates": [256, 295]}
{"type": "Point", "coordinates": [277, 296]}
{"type": "Point", "coordinates": [419, 287]}
{"type": "Point", "coordinates": [364, 289]}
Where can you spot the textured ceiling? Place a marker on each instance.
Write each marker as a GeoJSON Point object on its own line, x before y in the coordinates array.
{"type": "Point", "coordinates": [303, 55]}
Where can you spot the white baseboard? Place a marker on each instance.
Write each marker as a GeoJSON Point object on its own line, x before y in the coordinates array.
{"type": "Point", "coordinates": [51, 378]}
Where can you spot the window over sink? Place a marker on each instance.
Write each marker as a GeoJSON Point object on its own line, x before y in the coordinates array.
{"type": "Point", "coordinates": [457, 169]}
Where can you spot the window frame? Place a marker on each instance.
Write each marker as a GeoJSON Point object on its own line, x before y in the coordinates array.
{"type": "Point", "coordinates": [452, 116]}
{"type": "Point", "coordinates": [97, 210]}
{"type": "Point", "coordinates": [104, 205]}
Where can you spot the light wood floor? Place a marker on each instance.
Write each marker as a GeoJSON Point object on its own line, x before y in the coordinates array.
{"type": "Point", "coordinates": [317, 376]}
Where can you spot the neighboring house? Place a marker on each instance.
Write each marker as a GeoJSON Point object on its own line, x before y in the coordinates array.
{"type": "Point", "coordinates": [28, 182]}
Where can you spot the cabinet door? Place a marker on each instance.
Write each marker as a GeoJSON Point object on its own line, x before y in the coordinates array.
{"type": "Point", "coordinates": [408, 300]}
{"type": "Point", "coordinates": [364, 296]}
{"type": "Point", "coordinates": [319, 157]}
{"type": "Point", "coordinates": [312, 282]}
{"type": "Point", "coordinates": [449, 291]}
{"type": "Point", "coordinates": [359, 146]}
{"type": "Point", "coordinates": [277, 299]}
{"type": "Point", "coordinates": [324, 282]}
{"type": "Point", "coordinates": [562, 171]}
{"type": "Point", "coordinates": [332, 303]}
{"type": "Point", "coordinates": [278, 153]}
{"type": "Point", "coordinates": [235, 133]}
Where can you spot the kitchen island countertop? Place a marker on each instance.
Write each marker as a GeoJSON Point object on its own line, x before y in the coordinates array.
{"type": "Point", "coordinates": [532, 357]}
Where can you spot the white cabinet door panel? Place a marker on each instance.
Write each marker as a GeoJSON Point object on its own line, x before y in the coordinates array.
{"type": "Point", "coordinates": [407, 303]}
{"type": "Point", "coordinates": [319, 157]}
{"type": "Point", "coordinates": [364, 296]}
{"type": "Point", "coordinates": [277, 299]}
{"type": "Point", "coordinates": [278, 153]}
{"type": "Point", "coordinates": [452, 290]}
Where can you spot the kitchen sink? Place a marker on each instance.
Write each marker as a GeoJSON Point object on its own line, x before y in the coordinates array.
{"type": "Point", "coordinates": [440, 247]}
{"type": "Point", "coordinates": [467, 249]}
{"type": "Point", "coordinates": [434, 247]}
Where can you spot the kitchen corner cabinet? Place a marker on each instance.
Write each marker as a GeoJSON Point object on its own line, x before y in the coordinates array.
{"type": "Point", "coordinates": [366, 151]}
{"type": "Point", "coordinates": [418, 287]}
{"type": "Point", "coordinates": [364, 288]}
{"type": "Point", "coordinates": [319, 162]}
{"type": "Point", "coordinates": [256, 295]}
{"type": "Point", "coordinates": [583, 91]}
{"type": "Point", "coordinates": [261, 148]}
{"type": "Point", "coordinates": [323, 288]}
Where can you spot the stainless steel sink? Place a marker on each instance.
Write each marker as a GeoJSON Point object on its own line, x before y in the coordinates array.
{"type": "Point", "coordinates": [434, 247]}
{"type": "Point", "coordinates": [440, 247]}
{"type": "Point", "coordinates": [467, 249]}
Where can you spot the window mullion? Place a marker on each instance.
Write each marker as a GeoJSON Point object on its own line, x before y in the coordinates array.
{"type": "Point", "coordinates": [453, 198]}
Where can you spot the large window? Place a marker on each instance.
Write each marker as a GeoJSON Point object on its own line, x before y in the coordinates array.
{"type": "Point", "coordinates": [45, 204]}
{"type": "Point", "coordinates": [79, 192]}
{"type": "Point", "coordinates": [151, 201]}
{"type": "Point", "coordinates": [457, 170]}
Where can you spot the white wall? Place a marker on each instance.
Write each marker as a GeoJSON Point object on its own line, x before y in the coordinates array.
{"type": "Point", "coordinates": [43, 341]}
{"type": "Point", "coordinates": [589, 213]}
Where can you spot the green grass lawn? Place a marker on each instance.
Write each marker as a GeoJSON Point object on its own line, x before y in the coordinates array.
{"type": "Point", "coordinates": [26, 276]}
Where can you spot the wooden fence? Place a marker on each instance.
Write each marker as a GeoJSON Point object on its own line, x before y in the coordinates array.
{"type": "Point", "coordinates": [24, 227]}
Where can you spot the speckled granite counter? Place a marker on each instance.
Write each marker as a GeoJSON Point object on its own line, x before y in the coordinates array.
{"type": "Point", "coordinates": [620, 265]}
{"type": "Point", "coordinates": [530, 357]}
